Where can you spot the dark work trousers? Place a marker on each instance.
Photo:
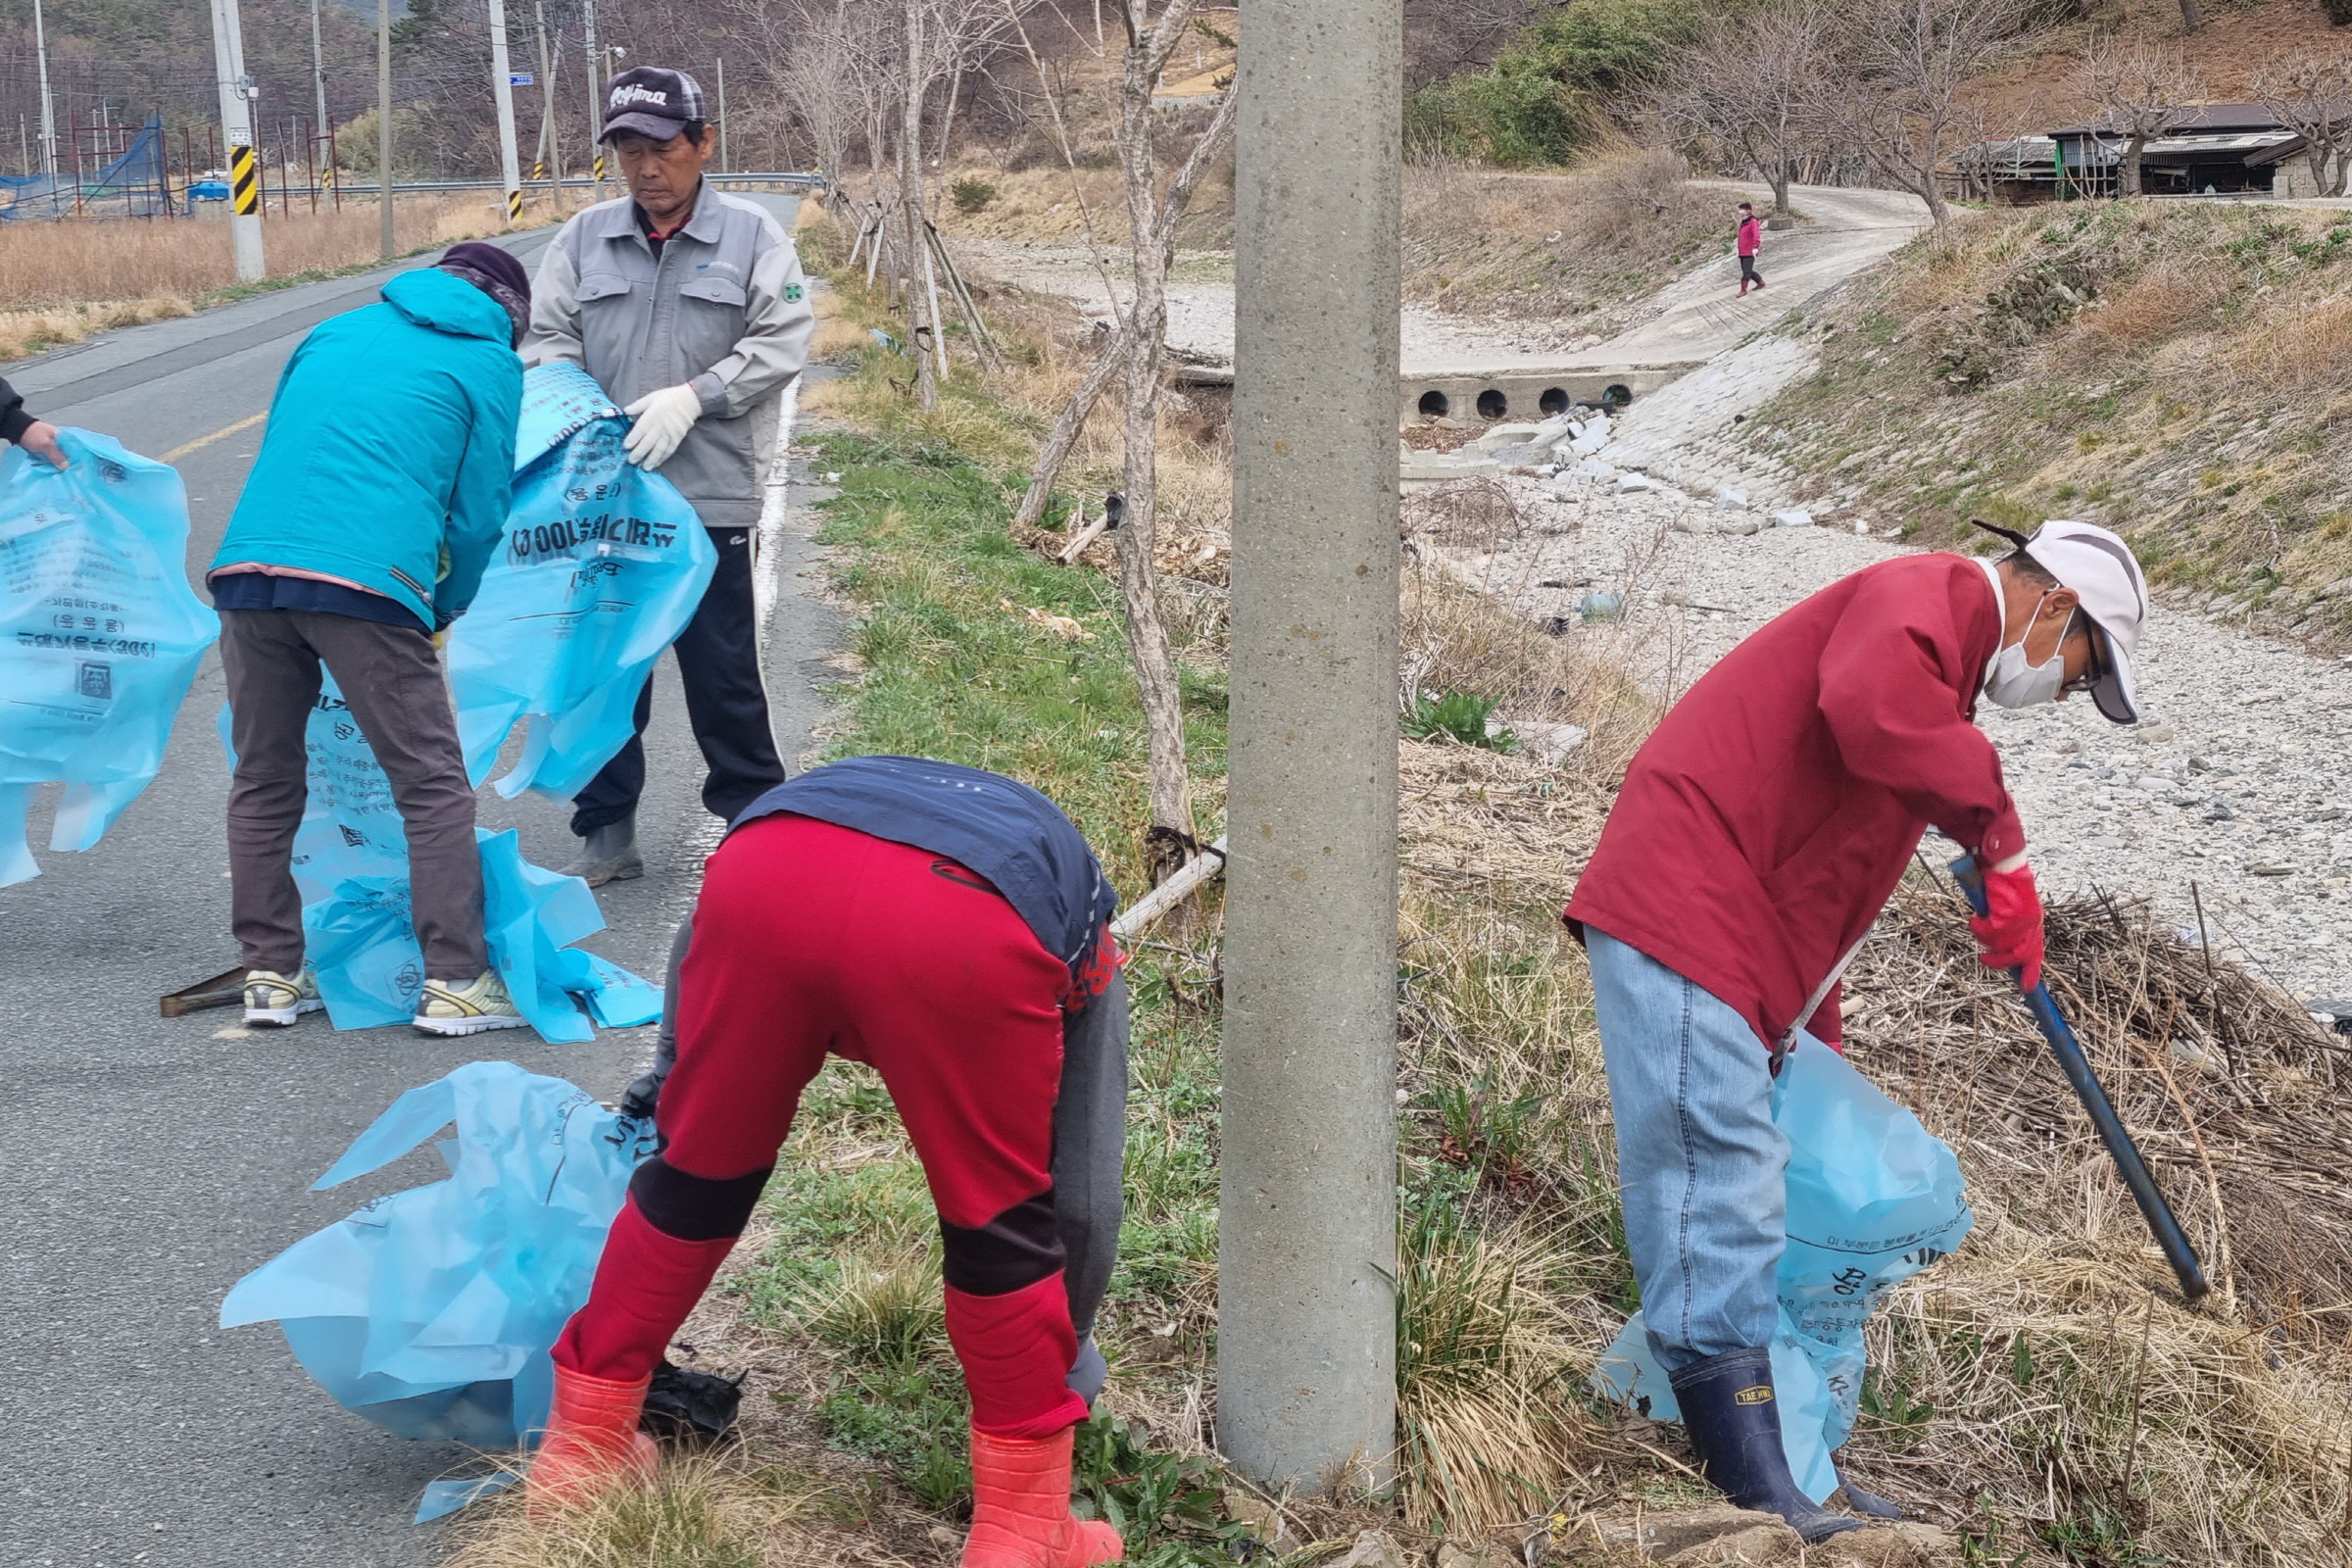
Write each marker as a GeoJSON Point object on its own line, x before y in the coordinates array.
{"type": "Point", "coordinates": [727, 700]}
{"type": "Point", "coordinates": [1748, 272]}
{"type": "Point", "coordinates": [391, 681]}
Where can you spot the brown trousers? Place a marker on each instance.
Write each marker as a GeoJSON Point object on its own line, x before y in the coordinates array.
{"type": "Point", "coordinates": [391, 678]}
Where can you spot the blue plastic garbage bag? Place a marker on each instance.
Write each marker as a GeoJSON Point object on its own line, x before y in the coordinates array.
{"type": "Point", "coordinates": [432, 1311]}
{"type": "Point", "coordinates": [603, 566]}
{"type": "Point", "coordinates": [100, 635]}
{"type": "Point", "coordinates": [351, 863]}
{"type": "Point", "coordinates": [1872, 1198]}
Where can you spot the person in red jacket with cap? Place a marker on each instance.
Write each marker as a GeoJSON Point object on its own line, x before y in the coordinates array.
{"type": "Point", "coordinates": [1759, 831]}
{"type": "Point", "coordinates": [951, 927]}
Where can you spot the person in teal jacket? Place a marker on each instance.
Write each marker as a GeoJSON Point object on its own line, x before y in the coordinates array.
{"type": "Point", "coordinates": [379, 497]}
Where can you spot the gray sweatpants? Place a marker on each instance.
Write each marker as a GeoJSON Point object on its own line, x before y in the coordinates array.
{"type": "Point", "coordinates": [391, 679]}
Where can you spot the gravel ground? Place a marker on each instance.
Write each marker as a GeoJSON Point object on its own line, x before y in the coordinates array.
{"type": "Point", "coordinates": [2231, 786]}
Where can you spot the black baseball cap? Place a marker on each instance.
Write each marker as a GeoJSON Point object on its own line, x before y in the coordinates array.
{"type": "Point", "coordinates": [649, 101]}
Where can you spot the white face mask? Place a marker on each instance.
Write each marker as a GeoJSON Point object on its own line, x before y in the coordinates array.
{"type": "Point", "coordinates": [2011, 682]}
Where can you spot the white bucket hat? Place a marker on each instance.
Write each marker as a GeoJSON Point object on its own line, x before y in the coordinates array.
{"type": "Point", "coordinates": [2100, 568]}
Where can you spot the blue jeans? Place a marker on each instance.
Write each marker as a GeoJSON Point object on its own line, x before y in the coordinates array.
{"type": "Point", "coordinates": [1699, 1163]}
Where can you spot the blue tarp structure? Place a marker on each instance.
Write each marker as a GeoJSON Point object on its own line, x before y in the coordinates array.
{"type": "Point", "coordinates": [432, 1311]}
{"type": "Point", "coordinates": [1872, 1198]}
{"type": "Point", "coordinates": [134, 185]}
{"type": "Point", "coordinates": [99, 635]}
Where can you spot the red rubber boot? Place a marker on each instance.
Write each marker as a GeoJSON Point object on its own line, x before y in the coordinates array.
{"type": "Point", "coordinates": [592, 1441]}
{"type": "Point", "coordinates": [1021, 1508]}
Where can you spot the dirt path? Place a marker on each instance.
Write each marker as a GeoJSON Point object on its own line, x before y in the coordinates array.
{"type": "Point", "coordinates": [1698, 316]}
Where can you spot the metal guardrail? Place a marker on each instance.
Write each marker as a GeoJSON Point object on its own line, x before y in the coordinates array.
{"type": "Point", "coordinates": [806, 180]}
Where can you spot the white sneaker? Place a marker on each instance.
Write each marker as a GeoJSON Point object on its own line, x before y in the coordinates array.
{"type": "Point", "coordinates": [273, 1000]}
{"type": "Point", "coordinates": [466, 1007]}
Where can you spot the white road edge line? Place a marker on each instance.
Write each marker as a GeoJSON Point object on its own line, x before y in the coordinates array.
{"type": "Point", "coordinates": [772, 507]}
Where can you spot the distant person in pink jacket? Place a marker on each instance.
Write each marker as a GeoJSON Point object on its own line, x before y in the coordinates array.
{"type": "Point", "coordinates": [1751, 240]}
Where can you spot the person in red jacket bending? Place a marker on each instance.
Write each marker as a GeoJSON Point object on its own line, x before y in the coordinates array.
{"type": "Point", "coordinates": [1758, 834]}
{"type": "Point", "coordinates": [951, 927]}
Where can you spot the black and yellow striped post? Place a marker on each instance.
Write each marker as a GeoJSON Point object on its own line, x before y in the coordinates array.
{"type": "Point", "coordinates": [244, 183]}
{"type": "Point", "coordinates": [539, 168]}
{"type": "Point", "coordinates": [515, 206]}
{"type": "Point", "coordinates": [600, 163]}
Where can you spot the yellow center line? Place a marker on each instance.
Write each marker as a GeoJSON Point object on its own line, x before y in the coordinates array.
{"type": "Point", "coordinates": [202, 441]}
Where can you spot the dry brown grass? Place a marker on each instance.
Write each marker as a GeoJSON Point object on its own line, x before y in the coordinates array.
{"type": "Point", "coordinates": [2167, 298]}
{"type": "Point", "coordinates": [1588, 246]}
{"type": "Point", "coordinates": [2308, 351]}
{"type": "Point", "coordinates": [60, 282]}
{"type": "Point", "coordinates": [792, 1507]}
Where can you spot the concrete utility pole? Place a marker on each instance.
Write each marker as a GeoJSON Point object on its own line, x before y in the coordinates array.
{"type": "Point", "coordinates": [1306, 1363]}
{"type": "Point", "coordinates": [501, 88]}
{"type": "Point", "coordinates": [41, 45]}
{"type": "Point", "coordinates": [236, 130]}
{"type": "Point", "coordinates": [385, 243]}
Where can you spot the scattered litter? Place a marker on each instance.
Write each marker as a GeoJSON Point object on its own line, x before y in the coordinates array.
{"type": "Point", "coordinates": [1601, 607]}
{"type": "Point", "coordinates": [1792, 520]}
{"type": "Point", "coordinates": [1061, 627]}
{"type": "Point", "coordinates": [695, 1409]}
{"type": "Point", "coordinates": [2334, 1013]}
{"type": "Point", "coordinates": [1731, 500]}
{"type": "Point", "coordinates": [1550, 744]}
{"type": "Point", "coordinates": [1630, 482]}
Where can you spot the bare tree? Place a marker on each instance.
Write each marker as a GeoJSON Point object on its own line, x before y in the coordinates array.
{"type": "Point", "coordinates": [1114, 357]}
{"type": "Point", "coordinates": [822, 60]}
{"type": "Point", "coordinates": [2144, 90]}
{"type": "Point", "coordinates": [1895, 94]}
{"type": "Point", "coordinates": [1751, 83]}
{"type": "Point", "coordinates": [1445, 36]}
{"type": "Point", "coordinates": [2310, 93]}
{"type": "Point", "coordinates": [1150, 227]}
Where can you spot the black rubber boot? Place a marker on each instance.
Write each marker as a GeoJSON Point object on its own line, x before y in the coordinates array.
{"type": "Point", "coordinates": [608, 854]}
{"type": "Point", "coordinates": [1735, 1426]}
{"type": "Point", "coordinates": [1869, 1505]}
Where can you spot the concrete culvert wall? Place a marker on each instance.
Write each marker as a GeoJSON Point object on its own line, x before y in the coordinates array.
{"type": "Point", "coordinates": [1492, 405]}
{"type": "Point", "coordinates": [1435, 404]}
{"type": "Point", "coordinates": [1554, 401]}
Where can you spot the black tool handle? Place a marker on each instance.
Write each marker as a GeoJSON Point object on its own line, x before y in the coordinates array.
{"type": "Point", "coordinates": [2076, 1066]}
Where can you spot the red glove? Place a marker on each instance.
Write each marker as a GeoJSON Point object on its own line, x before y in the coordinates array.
{"type": "Point", "coordinates": [2010, 928]}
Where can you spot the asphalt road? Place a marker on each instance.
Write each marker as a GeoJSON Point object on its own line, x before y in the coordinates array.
{"type": "Point", "coordinates": [159, 1159]}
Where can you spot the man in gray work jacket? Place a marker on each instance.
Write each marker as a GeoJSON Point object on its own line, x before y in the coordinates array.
{"type": "Point", "coordinates": [690, 311]}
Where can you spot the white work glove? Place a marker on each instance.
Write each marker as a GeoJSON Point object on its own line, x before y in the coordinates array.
{"type": "Point", "coordinates": [659, 422]}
